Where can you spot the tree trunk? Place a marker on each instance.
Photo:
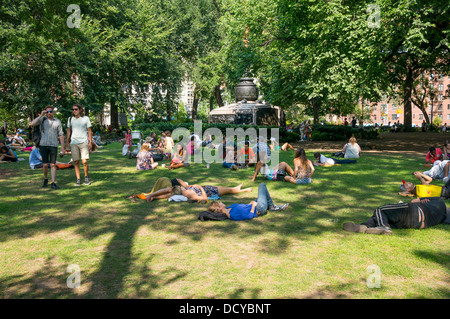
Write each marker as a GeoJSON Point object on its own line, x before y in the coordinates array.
{"type": "Point", "coordinates": [218, 96]}
{"type": "Point", "coordinates": [316, 107]}
{"type": "Point", "coordinates": [168, 110]}
{"type": "Point", "coordinates": [194, 107]}
{"type": "Point", "coordinates": [114, 113]}
{"type": "Point", "coordinates": [407, 95]}
{"type": "Point", "coordinates": [211, 103]}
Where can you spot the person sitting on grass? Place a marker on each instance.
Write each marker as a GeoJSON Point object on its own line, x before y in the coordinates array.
{"type": "Point", "coordinates": [262, 150]}
{"type": "Point", "coordinates": [418, 214]}
{"type": "Point", "coordinates": [35, 160]}
{"type": "Point", "coordinates": [18, 140]}
{"type": "Point", "coordinates": [248, 211]}
{"type": "Point", "coordinates": [246, 155]}
{"type": "Point", "coordinates": [321, 160]}
{"type": "Point", "coordinates": [351, 149]}
{"type": "Point", "coordinates": [145, 158]}
{"type": "Point", "coordinates": [303, 169]}
{"type": "Point", "coordinates": [434, 154]}
{"type": "Point", "coordinates": [230, 158]}
{"type": "Point", "coordinates": [7, 155]}
{"type": "Point", "coordinates": [179, 158]}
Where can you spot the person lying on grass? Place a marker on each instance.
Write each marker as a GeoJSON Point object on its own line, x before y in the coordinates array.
{"type": "Point", "coordinates": [321, 160]}
{"type": "Point", "coordinates": [192, 192]}
{"type": "Point", "coordinates": [275, 146]}
{"type": "Point", "coordinates": [439, 170]}
{"type": "Point", "coordinates": [418, 214]}
{"type": "Point", "coordinates": [248, 211]}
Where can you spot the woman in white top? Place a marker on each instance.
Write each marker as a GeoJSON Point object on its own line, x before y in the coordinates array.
{"type": "Point", "coordinates": [352, 149]}
{"type": "Point", "coordinates": [168, 145]}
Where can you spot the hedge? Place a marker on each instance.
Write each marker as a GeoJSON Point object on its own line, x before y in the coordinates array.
{"type": "Point", "coordinates": [340, 133]}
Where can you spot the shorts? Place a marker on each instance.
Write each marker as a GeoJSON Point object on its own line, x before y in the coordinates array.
{"type": "Point", "coordinates": [211, 191]}
{"type": "Point", "coordinates": [303, 181]}
{"type": "Point", "coordinates": [48, 154]}
{"type": "Point", "coordinates": [276, 175]}
{"type": "Point", "coordinates": [79, 151]}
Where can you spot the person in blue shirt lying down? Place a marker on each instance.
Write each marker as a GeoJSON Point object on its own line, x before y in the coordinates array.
{"type": "Point", "coordinates": [248, 211]}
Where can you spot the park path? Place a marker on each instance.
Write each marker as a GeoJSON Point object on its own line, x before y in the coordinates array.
{"type": "Point", "coordinates": [408, 143]}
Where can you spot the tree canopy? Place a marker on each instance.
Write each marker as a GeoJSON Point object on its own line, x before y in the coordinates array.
{"type": "Point", "coordinates": [322, 57]}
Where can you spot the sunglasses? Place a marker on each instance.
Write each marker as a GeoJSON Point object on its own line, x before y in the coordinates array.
{"type": "Point", "coordinates": [74, 109]}
{"type": "Point", "coordinates": [50, 111]}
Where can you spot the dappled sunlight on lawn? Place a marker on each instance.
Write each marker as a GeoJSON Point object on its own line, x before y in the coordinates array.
{"type": "Point", "coordinates": [141, 249]}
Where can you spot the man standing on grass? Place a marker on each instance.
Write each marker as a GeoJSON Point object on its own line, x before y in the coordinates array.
{"type": "Point", "coordinates": [51, 132]}
{"type": "Point", "coordinates": [79, 134]}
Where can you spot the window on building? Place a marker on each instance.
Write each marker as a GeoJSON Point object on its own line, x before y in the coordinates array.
{"type": "Point", "coordinates": [441, 87]}
{"type": "Point", "coordinates": [394, 117]}
{"type": "Point", "coordinates": [440, 116]}
{"type": "Point", "coordinates": [440, 97]}
{"type": "Point", "coordinates": [374, 117]}
{"type": "Point", "coordinates": [448, 116]}
{"type": "Point", "coordinates": [440, 107]}
{"type": "Point", "coordinates": [420, 116]}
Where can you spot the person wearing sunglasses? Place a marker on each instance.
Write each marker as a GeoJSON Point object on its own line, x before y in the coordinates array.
{"type": "Point", "coordinates": [79, 134]}
{"type": "Point", "coordinates": [51, 134]}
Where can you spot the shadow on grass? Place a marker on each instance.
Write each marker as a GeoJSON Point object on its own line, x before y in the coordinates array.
{"type": "Point", "coordinates": [338, 193]}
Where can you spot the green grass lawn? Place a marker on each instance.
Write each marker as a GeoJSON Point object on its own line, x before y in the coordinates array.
{"type": "Point", "coordinates": [161, 250]}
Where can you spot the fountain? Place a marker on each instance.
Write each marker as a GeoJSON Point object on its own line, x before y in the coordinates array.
{"type": "Point", "coordinates": [247, 109]}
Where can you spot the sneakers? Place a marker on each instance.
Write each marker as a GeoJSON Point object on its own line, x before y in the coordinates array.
{"type": "Point", "coordinates": [354, 228]}
{"type": "Point", "coordinates": [54, 186]}
{"type": "Point", "coordinates": [380, 230]}
{"type": "Point", "coordinates": [86, 181]}
{"type": "Point", "coordinates": [45, 183]}
{"type": "Point", "coordinates": [279, 207]}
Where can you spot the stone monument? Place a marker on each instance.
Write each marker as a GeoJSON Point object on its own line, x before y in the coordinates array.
{"type": "Point", "coordinates": [247, 109]}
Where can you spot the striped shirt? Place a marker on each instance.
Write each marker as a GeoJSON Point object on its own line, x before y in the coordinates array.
{"type": "Point", "coordinates": [50, 131]}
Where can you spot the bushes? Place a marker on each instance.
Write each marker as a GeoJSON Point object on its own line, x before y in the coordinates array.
{"type": "Point", "coordinates": [340, 133]}
{"type": "Point", "coordinates": [157, 127]}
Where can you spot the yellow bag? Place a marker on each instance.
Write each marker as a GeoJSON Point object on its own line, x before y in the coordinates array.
{"type": "Point", "coordinates": [428, 191]}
